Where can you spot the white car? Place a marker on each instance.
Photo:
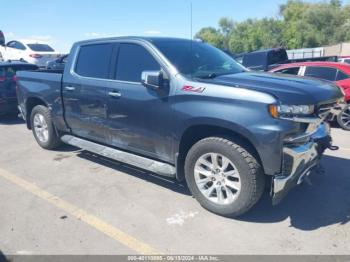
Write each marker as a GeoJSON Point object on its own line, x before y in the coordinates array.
{"type": "Point", "coordinates": [31, 51]}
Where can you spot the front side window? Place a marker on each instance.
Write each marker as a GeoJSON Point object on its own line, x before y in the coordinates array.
{"type": "Point", "coordinates": [11, 44]}
{"type": "Point", "coordinates": [197, 59]}
{"type": "Point", "coordinates": [289, 71]}
{"type": "Point", "coordinates": [133, 59]}
{"type": "Point", "coordinates": [94, 61]}
{"type": "Point", "coordinates": [325, 73]}
{"type": "Point", "coordinates": [41, 48]}
{"type": "Point", "coordinates": [16, 45]}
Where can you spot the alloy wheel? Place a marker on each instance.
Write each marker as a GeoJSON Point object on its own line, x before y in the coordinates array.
{"type": "Point", "coordinates": [41, 128]}
{"type": "Point", "coordinates": [217, 178]}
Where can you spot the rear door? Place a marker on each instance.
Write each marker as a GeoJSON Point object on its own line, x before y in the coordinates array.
{"type": "Point", "coordinates": [84, 91]}
{"type": "Point", "coordinates": [138, 117]}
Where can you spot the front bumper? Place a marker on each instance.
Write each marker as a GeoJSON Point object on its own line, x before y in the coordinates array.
{"type": "Point", "coordinates": [298, 162]}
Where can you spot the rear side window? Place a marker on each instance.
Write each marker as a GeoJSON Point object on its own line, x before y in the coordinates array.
{"type": "Point", "coordinates": [325, 73]}
{"type": "Point", "coordinates": [289, 71]}
{"type": "Point", "coordinates": [341, 76]}
{"type": "Point", "coordinates": [132, 60]}
{"type": "Point", "coordinates": [94, 61]}
{"type": "Point", "coordinates": [41, 48]}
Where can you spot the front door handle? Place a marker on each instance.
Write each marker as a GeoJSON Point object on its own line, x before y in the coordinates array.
{"type": "Point", "coordinates": [69, 88]}
{"type": "Point", "coordinates": [114, 94]}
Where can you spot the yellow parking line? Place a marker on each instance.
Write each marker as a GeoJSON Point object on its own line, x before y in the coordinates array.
{"type": "Point", "coordinates": [82, 215]}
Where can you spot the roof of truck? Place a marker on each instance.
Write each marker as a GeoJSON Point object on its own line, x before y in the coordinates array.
{"type": "Point", "coordinates": [144, 38]}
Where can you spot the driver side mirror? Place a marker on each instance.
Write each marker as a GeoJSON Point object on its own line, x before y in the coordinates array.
{"type": "Point", "coordinates": [152, 79]}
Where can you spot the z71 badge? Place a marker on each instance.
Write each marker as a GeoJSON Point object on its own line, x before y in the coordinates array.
{"type": "Point", "coordinates": [193, 89]}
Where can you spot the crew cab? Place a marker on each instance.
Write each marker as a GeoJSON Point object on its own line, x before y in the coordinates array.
{"type": "Point", "coordinates": [185, 110]}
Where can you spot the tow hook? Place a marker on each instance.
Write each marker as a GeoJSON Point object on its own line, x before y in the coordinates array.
{"type": "Point", "coordinates": [333, 148]}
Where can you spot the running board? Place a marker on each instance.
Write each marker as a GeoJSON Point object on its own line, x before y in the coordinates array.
{"type": "Point", "coordinates": [121, 156]}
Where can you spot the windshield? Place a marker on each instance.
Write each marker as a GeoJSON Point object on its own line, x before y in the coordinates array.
{"type": "Point", "coordinates": [198, 59]}
{"type": "Point", "coordinates": [40, 48]}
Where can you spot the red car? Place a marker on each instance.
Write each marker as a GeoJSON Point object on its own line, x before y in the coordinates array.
{"type": "Point", "coordinates": [339, 73]}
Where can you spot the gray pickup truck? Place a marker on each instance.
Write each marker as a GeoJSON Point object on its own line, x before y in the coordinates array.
{"type": "Point", "coordinates": [186, 110]}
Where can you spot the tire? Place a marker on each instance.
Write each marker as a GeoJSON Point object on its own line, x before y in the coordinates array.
{"type": "Point", "coordinates": [343, 118]}
{"type": "Point", "coordinates": [43, 128]}
{"type": "Point", "coordinates": [249, 182]}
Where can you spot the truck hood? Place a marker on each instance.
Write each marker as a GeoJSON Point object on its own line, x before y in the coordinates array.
{"type": "Point", "coordinates": [288, 89]}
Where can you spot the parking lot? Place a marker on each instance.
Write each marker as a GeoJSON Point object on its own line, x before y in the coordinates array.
{"type": "Point", "coordinates": [72, 202]}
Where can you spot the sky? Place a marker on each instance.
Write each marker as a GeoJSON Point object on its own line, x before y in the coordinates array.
{"type": "Point", "coordinates": [63, 22]}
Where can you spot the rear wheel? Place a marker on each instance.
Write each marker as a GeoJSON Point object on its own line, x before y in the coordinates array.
{"type": "Point", "coordinates": [43, 128]}
{"type": "Point", "coordinates": [223, 176]}
{"type": "Point", "coordinates": [344, 118]}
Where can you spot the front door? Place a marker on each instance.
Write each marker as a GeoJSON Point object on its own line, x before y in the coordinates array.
{"type": "Point", "coordinates": [139, 118]}
{"type": "Point", "coordinates": [84, 92]}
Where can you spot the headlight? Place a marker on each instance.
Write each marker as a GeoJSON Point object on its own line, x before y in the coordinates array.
{"type": "Point", "coordinates": [277, 110]}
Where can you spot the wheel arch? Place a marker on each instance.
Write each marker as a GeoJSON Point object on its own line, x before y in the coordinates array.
{"type": "Point", "coordinates": [32, 102]}
{"type": "Point", "coordinates": [197, 132]}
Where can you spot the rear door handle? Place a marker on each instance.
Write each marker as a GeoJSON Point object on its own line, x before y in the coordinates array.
{"type": "Point", "coordinates": [69, 88]}
{"type": "Point", "coordinates": [114, 94]}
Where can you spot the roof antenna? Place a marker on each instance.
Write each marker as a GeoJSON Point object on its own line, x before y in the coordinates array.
{"type": "Point", "coordinates": [191, 32]}
{"type": "Point", "coordinates": [191, 10]}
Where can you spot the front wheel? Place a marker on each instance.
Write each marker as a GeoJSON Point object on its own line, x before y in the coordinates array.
{"type": "Point", "coordinates": [43, 128]}
{"type": "Point", "coordinates": [344, 118]}
{"type": "Point", "coordinates": [223, 176]}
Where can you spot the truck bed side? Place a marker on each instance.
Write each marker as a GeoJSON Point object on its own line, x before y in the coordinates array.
{"type": "Point", "coordinates": [41, 87]}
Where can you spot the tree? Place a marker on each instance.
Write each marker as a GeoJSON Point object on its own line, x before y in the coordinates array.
{"type": "Point", "coordinates": [300, 24]}
{"type": "Point", "coordinates": [212, 36]}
